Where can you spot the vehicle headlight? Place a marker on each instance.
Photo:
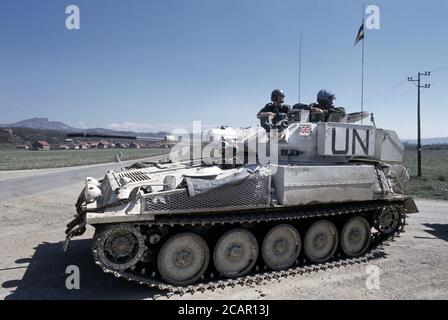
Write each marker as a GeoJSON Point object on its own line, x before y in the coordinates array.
{"type": "Point", "coordinates": [92, 181]}
{"type": "Point", "coordinates": [91, 192]}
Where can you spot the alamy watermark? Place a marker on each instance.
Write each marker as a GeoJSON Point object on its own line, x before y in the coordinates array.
{"type": "Point", "coordinates": [372, 21]}
{"type": "Point", "coordinates": [73, 20]}
{"type": "Point", "coordinates": [373, 278]}
{"type": "Point", "coordinates": [72, 282]}
{"type": "Point", "coordinates": [226, 145]}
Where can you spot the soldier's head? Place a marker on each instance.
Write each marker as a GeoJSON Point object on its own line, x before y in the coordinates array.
{"type": "Point", "coordinates": [277, 97]}
{"type": "Point", "coordinates": [325, 98]}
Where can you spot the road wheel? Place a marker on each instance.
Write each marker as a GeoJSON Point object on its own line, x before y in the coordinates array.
{"type": "Point", "coordinates": [235, 253]}
{"type": "Point", "coordinates": [321, 241]}
{"type": "Point", "coordinates": [183, 259]}
{"type": "Point", "coordinates": [281, 247]}
{"type": "Point", "coordinates": [355, 236]}
{"type": "Point", "coordinates": [118, 247]}
{"type": "Point", "coordinates": [387, 220]}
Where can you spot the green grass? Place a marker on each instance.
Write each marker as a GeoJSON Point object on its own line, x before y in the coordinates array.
{"type": "Point", "coordinates": [434, 181]}
{"type": "Point", "coordinates": [24, 159]}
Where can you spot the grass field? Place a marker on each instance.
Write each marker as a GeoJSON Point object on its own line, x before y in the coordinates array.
{"type": "Point", "coordinates": [434, 181]}
{"type": "Point", "coordinates": [23, 159]}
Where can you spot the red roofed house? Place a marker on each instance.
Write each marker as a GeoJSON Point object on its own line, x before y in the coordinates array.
{"type": "Point", "coordinates": [103, 144]}
{"type": "Point", "coordinates": [83, 145]}
{"type": "Point", "coordinates": [41, 145]}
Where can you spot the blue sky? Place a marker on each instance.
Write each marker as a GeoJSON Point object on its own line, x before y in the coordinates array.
{"type": "Point", "coordinates": [159, 64]}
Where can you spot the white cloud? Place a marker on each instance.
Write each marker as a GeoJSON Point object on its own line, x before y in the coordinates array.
{"type": "Point", "coordinates": [155, 127]}
{"type": "Point", "coordinates": [81, 125]}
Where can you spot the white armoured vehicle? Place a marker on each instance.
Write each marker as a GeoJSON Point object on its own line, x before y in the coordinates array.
{"type": "Point", "coordinates": [333, 193]}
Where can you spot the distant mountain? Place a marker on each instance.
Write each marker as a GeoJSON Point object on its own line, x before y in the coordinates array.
{"type": "Point", "coordinates": [427, 141]}
{"type": "Point", "coordinates": [40, 123]}
{"type": "Point", "coordinates": [12, 136]}
{"type": "Point", "coordinates": [45, 124]}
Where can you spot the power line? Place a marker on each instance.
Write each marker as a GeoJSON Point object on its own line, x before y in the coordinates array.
{"type": "Point", "coordinates": [383, 93]}
{"type": "Point", "coordinates": [439, 69]}
{"type": "Point", "coordinates": [386, 91]}
{"type": "Point", "coordinates": [419, 142]}
{"type": "Point", "coordinates": [437, 83]}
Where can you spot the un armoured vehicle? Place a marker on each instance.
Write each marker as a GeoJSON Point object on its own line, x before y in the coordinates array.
{"type": "Point", "coordinates": [333, 188]}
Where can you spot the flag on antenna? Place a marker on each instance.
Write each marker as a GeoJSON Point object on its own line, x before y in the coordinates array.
{"type": "Point", "coordinates": [360, 35]}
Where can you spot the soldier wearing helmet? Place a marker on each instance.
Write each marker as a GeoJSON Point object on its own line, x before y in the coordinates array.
{"type": "Point", "coordinates": [276, 110]}
{"type": "Point", "coordinates": [324, 110]}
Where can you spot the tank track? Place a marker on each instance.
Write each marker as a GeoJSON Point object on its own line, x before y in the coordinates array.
{"type": "Point", "coordinates": [260, 275]}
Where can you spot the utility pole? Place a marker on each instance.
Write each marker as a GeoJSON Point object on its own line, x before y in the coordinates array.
{"type": "Point", "coordinates": [419, 142]}
{"type": "Point", "coordinates": [300, 63]}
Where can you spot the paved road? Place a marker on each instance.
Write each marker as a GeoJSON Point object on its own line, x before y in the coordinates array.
{"type": "Point", "coordinates": [36, 181]}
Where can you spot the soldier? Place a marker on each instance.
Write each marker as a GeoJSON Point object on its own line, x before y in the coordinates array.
{"type": "Point", "coordinates": [276, 109]}
{"type": "Point", "coordinates": [324, 110]}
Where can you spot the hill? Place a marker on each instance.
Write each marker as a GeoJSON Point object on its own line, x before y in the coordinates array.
{"type": "Point", "coordinates": [46, 124]}
{"type": "Point", "coordinates": [40, 123]}
{"type": "Point", "coordinates": [27, 131]}
{"type": "Point", "coordinates": [426, 141]}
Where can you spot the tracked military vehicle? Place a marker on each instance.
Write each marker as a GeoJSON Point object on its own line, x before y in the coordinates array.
{"type": "Point", "coordinates": [334, 192]}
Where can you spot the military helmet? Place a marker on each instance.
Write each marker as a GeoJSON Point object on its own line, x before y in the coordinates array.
{"type": "Point", "coordinates": [277, 93]}
{"type": "Point", "coordinates": [325, 96]}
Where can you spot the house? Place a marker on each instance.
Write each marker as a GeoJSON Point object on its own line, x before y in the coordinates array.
{"type": "Point", "coordinates": [134, 145]}
{"type": "Point", "coordinates": [120, 145]}
{"type": "Point", "coordinates": [41, 145]}
{"type": "Point", "coordinates": [104, 144]}
{"type": "Point", "coordinates": [93, 145]}
{"type": "Point", "coordinates": [83, 145]}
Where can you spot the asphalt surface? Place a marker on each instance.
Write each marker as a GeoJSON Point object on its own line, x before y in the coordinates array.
{"type": "Point", "coordinates": [33, 264]}
{"type": "Point", "coordinates": [31, 182]}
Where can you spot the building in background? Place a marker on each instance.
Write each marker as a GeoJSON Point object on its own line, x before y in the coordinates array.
{"type": "Point", "coordinates": [83, 145]}
{"type": "Point", "coordinates": [41, 145]}
{"type": "Point", "coordinates": [104, 144]}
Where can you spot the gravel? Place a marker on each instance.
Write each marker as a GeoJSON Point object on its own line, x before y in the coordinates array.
{"type": "Point", "coordinates": [33, 265]}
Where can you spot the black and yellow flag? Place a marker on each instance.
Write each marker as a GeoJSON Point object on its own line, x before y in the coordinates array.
{"type": "Point", "coordinates": [360, 35]}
